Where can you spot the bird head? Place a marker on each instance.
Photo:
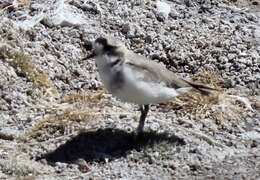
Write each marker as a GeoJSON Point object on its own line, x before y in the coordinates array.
{"type": "Point", "coordinates": [107, 45]}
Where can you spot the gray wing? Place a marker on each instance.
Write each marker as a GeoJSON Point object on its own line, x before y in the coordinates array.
{"type": "Point", "coordinates": [153, 71]}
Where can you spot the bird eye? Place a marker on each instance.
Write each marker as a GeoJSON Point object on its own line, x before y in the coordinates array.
{"type": "Point", "coordinates": [101, 40]}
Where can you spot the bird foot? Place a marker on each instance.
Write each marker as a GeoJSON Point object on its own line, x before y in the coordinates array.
{"type": "Point", "coordinates": [140, 129]}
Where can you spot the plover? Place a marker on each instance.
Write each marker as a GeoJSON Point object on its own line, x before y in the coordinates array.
{"type": "Point", "coordinates": [136, 79]}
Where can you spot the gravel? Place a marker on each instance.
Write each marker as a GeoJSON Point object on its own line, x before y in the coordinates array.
{"type": "Point", "coordinates": [81, 132]}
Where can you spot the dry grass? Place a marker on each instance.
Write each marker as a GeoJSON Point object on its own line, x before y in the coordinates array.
{"type": "Point", "coordinates": [24, 67]}
{"type": "Point", "coordinates": [193, 102]}
{"type": "Point", "coordinates": [14, 5]}
{"type": "Point", "coordinates": [211, 78]}
{"type": "Point", "coordinates": [83, 97]}
{"type": "Point", "coordinates": [255, 100]}
{"type": "Point", "coordinates": [58, 125]}
{"type": "Point", "coordinates": [74, 112]}
{"type": "Point", "coordinates": [24, 2]}
{"type": "Point", "coordinates": [218, 106]}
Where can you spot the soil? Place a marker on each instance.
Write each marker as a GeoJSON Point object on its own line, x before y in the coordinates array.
{"type": "Point", "coordinates": [58, 122]}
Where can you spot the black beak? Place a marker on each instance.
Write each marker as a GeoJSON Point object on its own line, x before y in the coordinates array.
{"type": "Point", "coordinates": [88, 45]}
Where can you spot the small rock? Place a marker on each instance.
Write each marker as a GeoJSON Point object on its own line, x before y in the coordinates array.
{"type": "Point", "coordinates": [229, 83]}
{"type": "Point", "coordinates": [252, 17]}
{"type": "Point", "coordinates": [148, 39]}
{"type": "Point", "coordinates": [122, 116]}
{"type": "Point", "coordinates": [160, 17]}
{"type": "Point", "coordinates": [194, 167]}
{"type": "Point", "coordinates": [44, 161]}
{"type": "Point", "coordinates": [129, 30]}
{"type": "Point", "coordinates": [156, 154]}
{"type": "Point", "coordinates": [174, 14]}
{"type": "Point", "coordinates": [60, 167]}
{"type": "Point", "coordinates": [151, 160]}
{"type": "Point", "coordinates": [255, 3]}
{"type": "Point", "coordinates": [83, 166]}
{"type": "Point", "coordinates": [231, 56]}
{"type": "Point", "coordinates": [163, 10]}
{"type": "Point", "coordinates": [223, 59]}
{"type": "Point", "coordinates": [126, 28]}
{"type": "Point", "coordinates": [5, 136]}
{"type": "Point", "coordinates": [189, 3]}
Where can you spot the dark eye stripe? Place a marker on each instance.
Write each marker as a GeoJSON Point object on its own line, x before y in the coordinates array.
{"type": "Point", "coordinates": [115, 63]}
{"type": "Point", "coordinates": [102, 41]}
{"type": "Point", "coordinates": [110, 49]}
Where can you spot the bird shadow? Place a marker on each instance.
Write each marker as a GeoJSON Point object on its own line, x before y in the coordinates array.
{"type": "Point", "coordinates": [96, 146]}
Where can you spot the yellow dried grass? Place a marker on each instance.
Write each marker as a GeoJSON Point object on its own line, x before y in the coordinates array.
{"type": "Point", "coordinates": [23, 65]}
{"type": "Point", "coordinates": [73, 113]}
{"type": "Point", "coordinates": [218, 106]}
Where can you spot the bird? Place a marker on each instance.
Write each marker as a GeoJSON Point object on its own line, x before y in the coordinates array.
{"type": "Point", "coordinates": [133, 78]}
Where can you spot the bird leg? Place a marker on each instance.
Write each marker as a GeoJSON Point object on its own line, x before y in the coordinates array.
{"type": "Point", "coordinates": [144, 111]}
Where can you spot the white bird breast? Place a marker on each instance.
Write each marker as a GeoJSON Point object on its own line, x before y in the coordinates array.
{"type": "Point", "coordinates": [139, 91]}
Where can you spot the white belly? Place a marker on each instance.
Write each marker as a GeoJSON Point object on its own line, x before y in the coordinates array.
{"type": "Point", "coordinates": [144, 93]}
{"type": "Point", "coordinates": [138, 91]}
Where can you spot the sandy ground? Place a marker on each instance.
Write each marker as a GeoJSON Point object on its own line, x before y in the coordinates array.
{"type": "Point", "coordinates": [57, 121]}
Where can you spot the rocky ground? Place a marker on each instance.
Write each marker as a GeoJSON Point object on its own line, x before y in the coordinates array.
{"type": "Point", "coordinates": [57, 121]}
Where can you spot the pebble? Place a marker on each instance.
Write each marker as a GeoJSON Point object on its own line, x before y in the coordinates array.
{"type": "Point", "coordinates": [229, 83]}
{"type": "Point", "coordinates": [83, 166]}
{"type": "Point", "coordinates": [163, 10]}
{"type": "Point", "coordinates": [231, 57]}
{"type": "Point", "coordinates": [188, 40]}
{"type": "Point", "coordinates": [174, 14]}
{"type": "Point", "coordinates": [60, 167]}
{"type": "Point", "coordinates": [126, 28]}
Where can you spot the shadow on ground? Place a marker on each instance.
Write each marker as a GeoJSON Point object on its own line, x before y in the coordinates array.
{"type": "Point", "coordinates": [107, 143]}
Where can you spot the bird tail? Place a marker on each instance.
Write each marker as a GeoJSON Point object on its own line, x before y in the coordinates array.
{"type": "Point", "coordinates": [204, 90]}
